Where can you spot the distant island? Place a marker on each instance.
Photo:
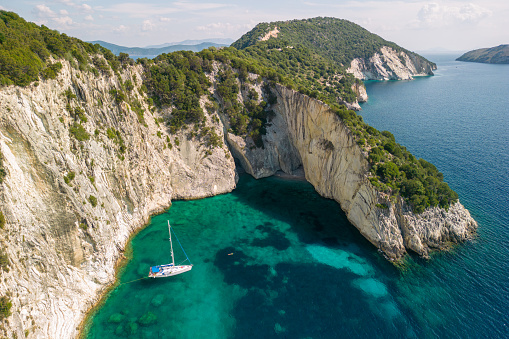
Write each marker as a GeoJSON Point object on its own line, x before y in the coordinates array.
{"type": "Point", "coordinates": [153, 51]}
{"type": "Point", "coordinates": [494, 55]}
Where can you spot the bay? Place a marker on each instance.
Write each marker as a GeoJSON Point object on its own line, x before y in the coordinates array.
{"type": "Point", "coordinates": [274, 259]}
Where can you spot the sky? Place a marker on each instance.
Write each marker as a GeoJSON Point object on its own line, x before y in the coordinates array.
{"type": "Point", "coordinates": [414, 24]}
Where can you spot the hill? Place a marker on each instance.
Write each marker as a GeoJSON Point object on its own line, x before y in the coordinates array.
{"type": "Point", "coordinates": [493, 55]}
{"type": "Point", "coordinates": [338, 40]}
{"type": "Point", "coordinates": [151, 52]}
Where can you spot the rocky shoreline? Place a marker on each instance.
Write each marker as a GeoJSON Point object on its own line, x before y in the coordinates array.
{"type": "Point", "coordinates": [71, 206]}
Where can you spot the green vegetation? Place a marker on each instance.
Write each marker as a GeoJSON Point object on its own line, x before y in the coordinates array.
{"type": "Point", "coordinates": [69, 177]}
{"type": "Point", "coordinates": [4, 260]}
{"type": "Point", "coordinates": [337, 40]}
{"type": "Point", "coordinates": [138, 109]}
{"type": "Point", "coordinates": [93, 200]}
{"type": "Point", "coordinates": [117, 95]}
{"type": "Point", "coordinates": [79, 113]}
{"type": "Point", "coordinates": [178, 79]}
{"type": "Point", "coordinates": [2, 220]}
{"type": "Point", "coordinates": [79, 132]}
{"type": "Point", "coordinates": [3, 172]}
{"type": "Point", "coordinates": [26, 48]}
{"type": "Point", "coordinates": [5, 307]}
{"type": "Point", "coordinates": [308, 55]}
{"type": "Point", "coordinates": [115, 135]}
{"type": "Point", "coordinates": [394, 170]}
{"type": "Point", "coordinates": [248, 119]}
{"type": "Point", "coordinates": [493, 55]}
{"type": "Point", "coordinates": [51, 71]}
{"type": "Point", "coordinates": [69, 95]}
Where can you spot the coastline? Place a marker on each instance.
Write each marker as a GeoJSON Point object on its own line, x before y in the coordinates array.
{"type": "Point", "coordinates": [124, 258]}
{"type": "Point", "coordinates": [127, 254]}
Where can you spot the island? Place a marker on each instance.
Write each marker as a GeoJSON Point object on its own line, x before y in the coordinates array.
{"type": "Point", "coordinates": [493, 55]}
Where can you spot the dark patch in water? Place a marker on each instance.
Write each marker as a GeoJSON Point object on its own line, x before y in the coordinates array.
{"type": "Point", "coordinates": [331, 241]}
{"type": "Point", "coordinates": [233, 265]}
{"type": "Point", "coordinates": [293, 306]}
{"type": "Point", "coordinates": [272, 238]}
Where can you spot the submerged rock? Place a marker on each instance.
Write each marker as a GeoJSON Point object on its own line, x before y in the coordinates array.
{"type": "Point", "coordinates": [157, 300]}
{"type": "Point", "coordinates": [116, 318]}
{"type": "Point", "coordinates": [148, 319]}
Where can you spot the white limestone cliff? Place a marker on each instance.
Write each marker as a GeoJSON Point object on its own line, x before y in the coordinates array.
{"type": "Point", "coordinates": [390, 65]}
{"type": "Point", "coordinates": [62, 250]}
{"type": "Point", "coordinates": [305, 133]}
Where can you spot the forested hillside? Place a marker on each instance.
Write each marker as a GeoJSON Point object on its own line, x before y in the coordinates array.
{"type": "Point", "coordinates": [307, 55]}
{"type": "Point", "coordinates": [337, 40]}
{"type": "Point", "coordinates": [493, 55]}
{"type": "Point", "coordinates": [29, 52]}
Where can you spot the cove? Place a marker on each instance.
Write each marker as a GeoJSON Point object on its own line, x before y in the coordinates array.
{"type": "Point", "coordinates": [299, 269]}
{"type": "Point", "coordinates": [266, 256]}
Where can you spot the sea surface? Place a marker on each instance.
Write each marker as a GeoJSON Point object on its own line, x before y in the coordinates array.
{"type": "Point", "coordinates": [273, 259]}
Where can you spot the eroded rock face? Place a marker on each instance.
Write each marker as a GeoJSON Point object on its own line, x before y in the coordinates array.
{"type": "Point", "coordinates": [62, 248]}
{"type": "Point", "coordinates": [390, 65]}
{"type": "Point", "coordinates": [305, 133]}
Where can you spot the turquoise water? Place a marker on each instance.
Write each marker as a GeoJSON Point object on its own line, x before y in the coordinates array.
{"type": "Point", "coordinates": [273, 259]}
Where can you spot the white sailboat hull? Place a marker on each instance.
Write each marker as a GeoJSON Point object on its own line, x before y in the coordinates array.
{"type": "Point", "coordinates": [168, 270]}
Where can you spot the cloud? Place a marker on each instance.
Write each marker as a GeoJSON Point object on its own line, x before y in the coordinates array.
{"type": "Point", "coordinates": [83, 7]}
{"type": "Point", "coordinates": [43, 11]}
{"type": "Point", "coordinates": [435, 15]}
{"type": "Point", "coordinates": [144, 10]}
{"type": "Point", "coordinates": [147, 25]}
{"type": "Point", "coordinates": [63, 21]}
{"type": "Point", "coordinates": [224, 28]}
{"type": "Point", "coordinates": [164, 19]}
{"type": "Point", "coordinates": [121, 29]}
{"type": "Point", "coordinates": [89, 18]}
{"type": "Point", "coordinates": [46, 15]}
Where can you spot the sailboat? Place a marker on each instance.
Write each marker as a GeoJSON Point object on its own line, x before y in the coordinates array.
{"type": "Point", "coordinates": [167, 270]}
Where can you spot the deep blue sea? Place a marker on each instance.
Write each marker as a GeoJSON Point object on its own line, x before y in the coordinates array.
{"type": "Point", "coordinates": [273, 259]}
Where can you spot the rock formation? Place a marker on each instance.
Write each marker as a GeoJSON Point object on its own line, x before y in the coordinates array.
{"type": "Point", "coordinates": [71, 205]}
{"type": "Point", "coordinates": [390, 65]}
{"type": "Point", "coordinates": [74, 192]}
{"type": "Point", "coordinates": [305, 133]}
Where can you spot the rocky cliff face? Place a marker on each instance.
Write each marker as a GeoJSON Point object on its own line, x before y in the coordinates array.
{"type": "Point", "coordinates": [390, 65]}
{"type": "Point", "coordinates": [305, 133]}
{"type": "Point", "coordinates": [71, 205]}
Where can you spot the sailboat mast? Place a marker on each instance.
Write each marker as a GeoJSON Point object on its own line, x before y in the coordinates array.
{"type": "Point", "coordinates": [171, 245]}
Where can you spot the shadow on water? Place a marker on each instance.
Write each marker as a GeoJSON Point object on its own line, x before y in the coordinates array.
{"type": "Point", "coordinates": [312, 217]}
{"type": "Point", "coordinates": [300, 299]}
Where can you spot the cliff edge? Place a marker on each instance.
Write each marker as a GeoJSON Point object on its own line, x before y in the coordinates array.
{"type": "Point", "coordinates": [74, 192]}
{"type": "Point", "coordinates": [304, 132]}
